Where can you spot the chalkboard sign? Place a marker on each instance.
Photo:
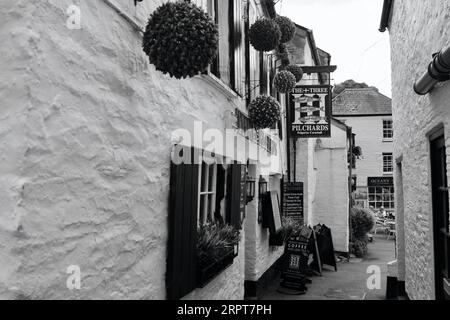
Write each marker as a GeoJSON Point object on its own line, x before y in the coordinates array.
{"type": "Point", "coordinates": [296, 262]}
{"type": "Point", "coordinates": [293, 200]}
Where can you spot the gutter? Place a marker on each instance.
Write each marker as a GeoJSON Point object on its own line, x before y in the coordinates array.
{"type": "Point", "coordinates": [385, 15]}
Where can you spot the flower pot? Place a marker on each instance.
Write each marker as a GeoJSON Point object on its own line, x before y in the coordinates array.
{"type": "Point", "coordinates": [208, 272]}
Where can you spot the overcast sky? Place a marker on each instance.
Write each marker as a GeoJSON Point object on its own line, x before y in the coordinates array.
{"type": "Point", "coordinates": [348, 30]}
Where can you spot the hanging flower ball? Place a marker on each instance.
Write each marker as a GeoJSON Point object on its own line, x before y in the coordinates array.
{"type": "Point", "coordinates": [265, 34]}
{"type": "Point", "coordinates": [264, 111]}
{"type": "Point", "coordinates": [180, 39]}
{"type": "Point", "coordinates": [287, 28]}
{"type": "Point", "coordinates": [284, 81]}
{"type": "Point", "coordinates": [296, 70]}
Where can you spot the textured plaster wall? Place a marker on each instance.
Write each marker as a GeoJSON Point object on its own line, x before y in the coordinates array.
{"type": "Point", "coordinates": [85, 136]}
{"type": "Point", "coordinates": [369, 136]}
{"type": "Point", "coordinates": [417, 30]}
{"type": "Point", "coordinates": [331, 197]}
{"type": "Point", "coordinates": [259, 255]}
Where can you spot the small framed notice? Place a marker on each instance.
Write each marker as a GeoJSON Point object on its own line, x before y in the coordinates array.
{"type": "Point", "coordinates": [272, 213]}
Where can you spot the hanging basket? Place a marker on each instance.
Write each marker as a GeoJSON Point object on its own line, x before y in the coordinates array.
{"type": "Point", "coordinates": [265, 35]}
{"type": "Point", "coordinates": [284, 81]}
{"type": "Point", "coordinates": [180, 39]}
{"type": "Point", "coordinates": [264, 112]}
{"type": "Point", "coordinates": [287, 28]}
{"type": "Point", "coordinates": [296, 70]}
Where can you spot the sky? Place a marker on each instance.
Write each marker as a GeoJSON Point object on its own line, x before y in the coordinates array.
{"type": "Point", "coordinates": [348, 30]}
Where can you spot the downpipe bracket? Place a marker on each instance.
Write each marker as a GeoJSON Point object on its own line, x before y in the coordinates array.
{"type": "Point", "coordinates": [438, 71]}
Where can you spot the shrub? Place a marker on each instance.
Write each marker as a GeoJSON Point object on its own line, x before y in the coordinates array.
{"type": "Point", "coordinates": [287, 28]}
{"type": "Point", "coordinates": [284, 81]}
{"type": "Point", "coordinates": [296, 70]}
{"type": "Point", "coordinates": [180, 39]}
{"type": "Point", "coordinates": [265, 34]}
{"type": "Point", "coordinates": [264, 111]}
{"type": "Point", "coordinates": [359, 248]}
{"type": "Point", "coordinates": [362, 221]}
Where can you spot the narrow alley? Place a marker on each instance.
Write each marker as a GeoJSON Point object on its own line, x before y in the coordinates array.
{"type": "Point", "coordinates": [350, 281]}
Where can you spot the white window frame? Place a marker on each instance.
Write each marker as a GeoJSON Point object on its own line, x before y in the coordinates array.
{"type": "Point", "coordinates": [207, 190]}
{"type": "Point", "coordinates": [382, 194]}
{"type": "Point", "coordinates": [388, 163]}
{"type": "Point", "coordinates": [387, 130]}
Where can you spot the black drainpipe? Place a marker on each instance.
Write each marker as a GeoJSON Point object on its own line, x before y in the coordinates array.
{"type": "Point", "coordinates": [438, 71]}
{"type": "Point", "coordinates": [386, 13]}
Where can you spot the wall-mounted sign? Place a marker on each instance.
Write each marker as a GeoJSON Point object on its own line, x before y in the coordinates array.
{"type": "Point", "coordinates": [293, 200]}
{"type": "Point", "coordinates": [380, 181]}
{"type": "Point", "coordinates": [310, 112]}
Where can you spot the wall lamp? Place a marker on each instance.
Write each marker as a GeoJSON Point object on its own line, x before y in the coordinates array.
{"type": "Point", "coordinates": [438, 71]}
{"type": "Point", "coordinates": [250, 192]}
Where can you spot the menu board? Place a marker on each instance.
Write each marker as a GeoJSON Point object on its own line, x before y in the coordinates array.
{"type": "Point", "coordinates": [293, 200]}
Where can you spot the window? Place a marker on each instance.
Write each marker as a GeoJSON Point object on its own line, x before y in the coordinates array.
{"type": "Point", "coordinates": [388, 163]}
{"type": "Point", "coordinates": [207, 193]}
{"type": "Point", "coordinates": [388, 131]}
{"type": "Point", "coordinates": [229, 62]}
{"type": "Point", "coordinates": [381, 197]}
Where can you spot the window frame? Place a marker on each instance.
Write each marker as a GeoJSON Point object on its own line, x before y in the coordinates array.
{"type": "Point", "coordinates": [388, 131]}
{"type": "Point", "coordinates": [386, 164]}
{"type": "Point", "coordinates": [380, 191]}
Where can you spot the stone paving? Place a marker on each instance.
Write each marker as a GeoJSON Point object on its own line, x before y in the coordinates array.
{"type": "Point", "coordinates": [350, 281]}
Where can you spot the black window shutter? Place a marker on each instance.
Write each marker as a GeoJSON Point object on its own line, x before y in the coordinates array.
{"type": "Point", "coordinates": [237, 195]}
{"type": "Point", "coordinates": [182, 239]}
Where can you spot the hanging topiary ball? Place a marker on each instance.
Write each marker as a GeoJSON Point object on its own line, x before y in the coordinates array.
{"type": "Point", "coordinates": [180, 39]}
{"type": "Point", "coordinates": [296, 70]}
{"type": "Point", "coordinates": [265, 34]}
{"type": "Point", "coordinates": [264, 112]}
{"type": "Point", "coordinates": [287, 28]}
{"type": "Point", "coordinates": [284, 81]}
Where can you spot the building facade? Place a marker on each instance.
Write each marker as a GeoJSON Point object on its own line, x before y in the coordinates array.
{"type": "Point", "coordinates": [421, 122]}
{"type": "Point", "coordinates": [369, 114]}
{"type": "Point", "coordinates": [88, 130]}
{"type": "Point", "coordinates": [321, 164]}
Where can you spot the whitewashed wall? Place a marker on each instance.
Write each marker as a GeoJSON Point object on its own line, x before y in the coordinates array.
{"type": "Point", "coordinates": [85, 127]}
{"type": "Point", "coordinates": [417, 30]}
{"type": "Point", "coordinates": [331, 196]}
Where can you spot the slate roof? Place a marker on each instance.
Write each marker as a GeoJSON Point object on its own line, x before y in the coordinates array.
{"type": "Point", "coordinates": [367, 101]}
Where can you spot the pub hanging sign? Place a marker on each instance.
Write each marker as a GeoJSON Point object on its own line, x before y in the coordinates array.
{"type": "Point", "coordinates": [310, 112]}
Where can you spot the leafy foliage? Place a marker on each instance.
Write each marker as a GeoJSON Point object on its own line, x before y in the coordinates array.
{"type": "Point", "coordinates": [265, 34]}
{"type": "Point", "coordinates": [296, 70]}
{"type": "Point", "coordinates": [180, 39]}
{"type": "Point", "coordinates": [359, 248]}
{"type": "Point", "coordinates": [214, 241]}
{"type": "Point", "coordinates": [287, 28]}
{"type": "Point", "coordinates": [362, 221]}
{"type": "Point", "coordinates": [349, 84]}
{"type": "Point", "coordinates": [289, 226]}
{"type": "Point", "coordinates": [284, 81]}
{"type": "Point", "coordinates": [264, 111]}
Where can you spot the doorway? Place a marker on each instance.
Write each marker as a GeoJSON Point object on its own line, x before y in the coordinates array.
{"type": "Point", "coordinates": [440, 214]}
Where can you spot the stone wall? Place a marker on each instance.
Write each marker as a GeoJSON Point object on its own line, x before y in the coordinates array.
{"type": "Point", "coordinates": [85, 127]}
{"type": "Point", "coordinates": [417, 30]}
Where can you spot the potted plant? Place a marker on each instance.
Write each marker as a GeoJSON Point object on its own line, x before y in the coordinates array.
{"type": "Point", "coordinates": [264, 112]}
{"type": "Point", "coordinates": [289, 225]}
{"type": "Point", "coordinates": [180, 39]}
{"type": "Point", "coordinates": [215, 250]}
